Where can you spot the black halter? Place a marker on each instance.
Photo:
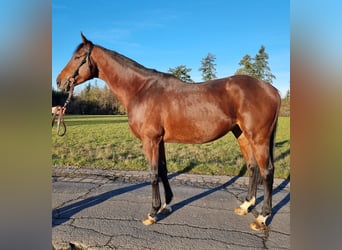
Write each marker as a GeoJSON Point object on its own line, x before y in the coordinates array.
{"type": "Point", "coordinates": [71, 79]}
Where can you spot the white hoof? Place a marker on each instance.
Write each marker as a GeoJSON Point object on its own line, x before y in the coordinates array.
{"type": "Point", "coordinates": [243, 209]}
{"type": "Point", "coordinates": [259, 224]}
{"type": "Point", "coordinates": [149, 220]}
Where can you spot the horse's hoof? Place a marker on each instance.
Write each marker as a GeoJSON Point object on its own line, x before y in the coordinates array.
{"type": "Point", "coordinates": [240, 211]}
{"type": "Point", "coordinates": [259, 224]}
{"type": "Point", "coordinates": [165, 209]}
{"type": "Point", "coordinates": [243, 209]}
{"type": "Point", "coordinates": [149, 220]}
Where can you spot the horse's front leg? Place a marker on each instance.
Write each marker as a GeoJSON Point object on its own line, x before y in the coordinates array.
{"type": "Point", "coordinates": [151, 149]}
{"type": "Point", "coordinates": [166, 209]}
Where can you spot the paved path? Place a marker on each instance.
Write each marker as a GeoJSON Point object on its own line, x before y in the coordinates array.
{"type": "Point", "coordinates": [102, 209]}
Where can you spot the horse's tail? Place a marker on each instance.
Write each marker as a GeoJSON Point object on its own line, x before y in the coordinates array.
{"type": "Point", "coordinates": [274, 130]}
{"type": "Point", "coordinates": [272, 140]}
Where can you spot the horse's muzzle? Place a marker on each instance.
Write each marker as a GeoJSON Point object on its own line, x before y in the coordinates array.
{"type": "Point", "coordinates": [58, 82]}
{"type": "Point", "coordinates": [64, 86]}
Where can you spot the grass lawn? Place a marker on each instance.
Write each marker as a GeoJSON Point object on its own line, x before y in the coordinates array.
{"type": "Point", "coordinates": [106, 142]}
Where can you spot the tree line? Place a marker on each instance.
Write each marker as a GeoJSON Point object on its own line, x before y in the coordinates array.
{"type": "Point", "coordinates": [256, 66]}
{"type": "Point", "coordinates": [95, 100]}
{"type": "Point", "coordinates": [92, 100]}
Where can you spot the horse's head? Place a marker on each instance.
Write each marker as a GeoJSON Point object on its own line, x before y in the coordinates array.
{"type": "Point", "coordinates": [80, 67]}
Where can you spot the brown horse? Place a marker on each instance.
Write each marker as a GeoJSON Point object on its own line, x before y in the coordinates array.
{"type": "Point", "coordinates": [161, 108]}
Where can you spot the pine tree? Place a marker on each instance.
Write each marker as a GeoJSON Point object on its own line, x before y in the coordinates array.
{"type": "Point", "coordinates": [181, 72]}
{"type": "Point", "coordinates": [247, 68]}
{"type": "Point", "coordinates": [262, 69]}
{"type": "Point", "coordinates": [257, 66]}
{"type": "Point", "coordinates": [208, 67]}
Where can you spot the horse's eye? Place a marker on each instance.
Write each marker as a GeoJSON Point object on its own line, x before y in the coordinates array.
{"type": "Point", "coordinates": [77, 57]}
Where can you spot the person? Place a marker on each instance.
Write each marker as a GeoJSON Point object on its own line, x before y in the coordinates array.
{"type": "Point", "coordinates": [59, 111]}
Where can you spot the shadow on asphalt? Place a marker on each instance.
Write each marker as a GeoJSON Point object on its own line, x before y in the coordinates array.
{"type": "Point", "coordinates": [275, 208]}
{"type": "Point", "coordinates": [63, 214]}
{"type": "Point", "coordinates": [183, 203]}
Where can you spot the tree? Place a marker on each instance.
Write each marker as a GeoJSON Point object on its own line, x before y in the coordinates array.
{"type": "Point", "coordinates": [262, 69]}
{"type": "Point", "coordinates": [287, 95]}
{"type": "Point", "coordinates": [257, 66]}
{"type": "Point", "coordinates": [208, 67]}
{"type": "Point", "coordinates": [91, 100]}
{"type": "Point", "coordinates": [59, 97]}
{"type": "Point", "coordinates": [285, 105]}
{"type": "Point", "coordinates": [247, 68]}
{"type": "Point", "coordinates": [181, 72]}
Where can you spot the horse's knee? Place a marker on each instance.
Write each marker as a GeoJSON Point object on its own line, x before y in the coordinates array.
{"type": "Point", "coordinates": [154, 178]}
{"type": "Point", "coordinates": [254, 173]}
{"type": "Point", "coordinates": [252, 167]}
{"type": "Point", "coordinates": [268, 173]}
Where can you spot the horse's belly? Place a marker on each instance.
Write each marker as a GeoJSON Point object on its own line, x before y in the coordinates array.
{"type": "Point", "coordinates": [196, 132]}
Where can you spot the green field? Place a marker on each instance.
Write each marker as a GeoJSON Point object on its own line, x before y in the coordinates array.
{"type": "Point", "coordinates": [106, 142]}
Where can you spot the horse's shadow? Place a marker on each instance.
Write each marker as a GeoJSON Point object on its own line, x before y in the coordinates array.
{"type": "Point", "coordinates": [185, 202]}
{"type": "Point", "coordinates": [63, 214]}
{"type": "Point", "coordinates": [276, 190]}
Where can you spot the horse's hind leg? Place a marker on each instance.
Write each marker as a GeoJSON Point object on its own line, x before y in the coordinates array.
{"type": "Point", "coordinates": [253, 171]}
{"type": "Point", "coordinates": [262, 155]}
{"type": "Point", "coordinates": [166, 208]}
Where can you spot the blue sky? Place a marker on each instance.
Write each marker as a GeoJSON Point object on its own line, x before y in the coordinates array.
{"type": "Point", "coordinates": [165, 34]}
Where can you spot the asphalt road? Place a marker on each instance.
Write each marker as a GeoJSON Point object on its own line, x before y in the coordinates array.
{"type": "Point", "coordinates": [101, 209]}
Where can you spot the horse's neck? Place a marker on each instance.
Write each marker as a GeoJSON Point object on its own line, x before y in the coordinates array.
{"type": "Point", "coordinates": [124, 81]}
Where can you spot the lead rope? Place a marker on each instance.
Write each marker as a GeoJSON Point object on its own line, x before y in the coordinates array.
{"type": "Point", "coordinates": [60, 111]}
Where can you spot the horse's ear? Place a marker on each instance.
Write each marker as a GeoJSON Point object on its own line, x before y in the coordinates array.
{"type": "Point", "coordinates": [84, 39]}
